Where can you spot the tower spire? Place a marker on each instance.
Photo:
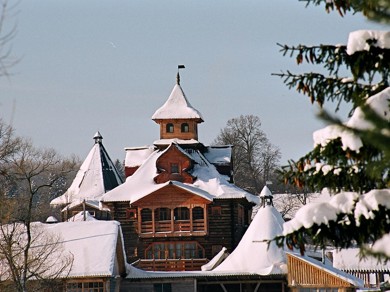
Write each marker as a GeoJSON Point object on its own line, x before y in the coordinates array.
{"type": "Point", "coordinates": [98, 137]}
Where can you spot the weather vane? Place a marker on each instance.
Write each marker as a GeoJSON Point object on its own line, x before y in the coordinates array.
{"type": "Point", "coordinates": [178, 75]}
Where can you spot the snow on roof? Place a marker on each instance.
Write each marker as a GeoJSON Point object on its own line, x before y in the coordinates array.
{"type": "Point", "coordinates": [216, 260]}
{"type": "Point", "coordinates": [51, 219]}
{"type": "Point", "coordinates": [209, 183]}
{"type": "Point", "coordinates": [210, 180]}
{"type": "Point", "coordinates": [357, 40]}
{"type": "Point", "coordinates": [96, 175]}
{"type": "Point", "coordinates": [350, 260]}
{"type": "Point", "coordinates": [219, 154]}
{"type": "Point", "coordinates": [378, 102]}
{"type": "Point", "coordinates": [382, 246]}
{"type": "Point", "coordinates": [135, 156]}
{"type": "Point", "coordinates": [265, 192]}
{"type": "Point", "coordinates": [135, 273]}
{"type": "Point", "coordinates": [93, 246]}
{"type": "Point", "coordinates": [80, 217]}
{"type": "Point", "coordinates": [175, 141]}
{"type": "Point", "coordinates": [91, 203]}
{"type": "Point", "coordinates": [330, 269]}
{"type": "Point", "coordinates": [253, 254]}
{"type": "Point", "coordinates": [177, 107]}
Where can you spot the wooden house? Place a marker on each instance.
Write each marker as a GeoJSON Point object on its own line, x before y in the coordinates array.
{"type": "Point", "coordinates": [372, 271]}
{"type": "Point", "coordinates": [96, 175]}
{"type": "Point", "coordinates": [253, 266]}
{"type": "Point", "coordinates": [177, 207]}
{"type": "Point", "coordinates": [87, 256]}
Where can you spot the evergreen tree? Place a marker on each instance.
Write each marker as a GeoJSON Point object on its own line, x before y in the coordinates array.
{"type": "Point", "coordinates": [334, 165]}
{"type": "Point", "coordinates": [378, 10]}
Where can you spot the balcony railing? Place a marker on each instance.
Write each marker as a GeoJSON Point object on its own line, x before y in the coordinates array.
{"type": "Point", "coordinates": [173, 227]}
{"type": "Point", "coordinates": [171, 264]}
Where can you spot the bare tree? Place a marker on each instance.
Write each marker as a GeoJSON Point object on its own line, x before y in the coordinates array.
{"type": "Point", "coordinates": [6, 35]}
{"type": "Point", "coordinates": [254, 157]}
{"type": "Point", "coordinates": [46, 262]}
{"type": "Point", "coordinates": [31, 175]}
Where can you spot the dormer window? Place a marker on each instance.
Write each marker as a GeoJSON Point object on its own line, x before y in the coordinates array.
{"type": "Point", "coordinates": [185, 128]}
{"type": "Point", "coordinates": [174, 168]}
{"type": "Point", "coordinates": [169, 128]}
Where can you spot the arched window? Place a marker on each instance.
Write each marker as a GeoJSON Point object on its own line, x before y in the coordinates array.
{"type": "Point", "coordinates": [169, 128]}
{"type": "Point", "coordinates": [146, 215]}
{"type": "Point", "coordinates": [162, 214]}
{"type": "Point", "coordinates": [197, 213]}
{"type": "Point", "coordinates": [185, 128]}
{"type": "Point", "coordinates": [182, 213]}
{"type": "Point", "coordinates": [175, 250]}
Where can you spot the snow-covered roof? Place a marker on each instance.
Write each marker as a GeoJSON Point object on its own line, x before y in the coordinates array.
{"type": "Point", "coordinates": [177, 107]}
{"type": "Point", "coordinates": [330, 269]}
{"type": "Point", "coordinates": [253, 254]}
{"type": "Point", "coordinates": [219, 154]}
{"type": "Point", "coordinates": [350, 260]}
{"type": "Point", "coordinates": [209, 183]}
{"type": "Point", "coordinates": [96, 175]}
{"type": "Point", "coordinates": [378, 102]}
{"type": "Point", "coordinates": [93, 245]}
{"type": "Point", "coordinates": [51, 219]}
{"type": "Point", "coordinates": [80, 217]}
{"type": "Point", "coordinates": [357, 40]}
{"type": "Point", "coordinates": [176, 141]}
{"type": "Point", "coordinates": [216, 260]}
{"type": "Point", "coordinates": [93, 248]}
{"type": "Point", "coordinates": [135, 156]}
{"type": "Point", "coordinates": [265, 192]}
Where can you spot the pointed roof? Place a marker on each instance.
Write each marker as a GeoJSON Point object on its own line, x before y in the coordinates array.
{"type": "Point", "coordinates": [265, 192]}
{"type": "Point", "coordinates": [177, 107]}
{"type": "Point", "coordinates": [96, 176]}
{"type": "Point", "coordinates": [253, 254]}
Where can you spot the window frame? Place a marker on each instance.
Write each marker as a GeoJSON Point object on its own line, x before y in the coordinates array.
{"type": "Point", "coordinates": [170, 128]}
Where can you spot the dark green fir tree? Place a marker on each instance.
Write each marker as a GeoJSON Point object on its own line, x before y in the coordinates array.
{"type": "Point", "coordinates": [358, 75]}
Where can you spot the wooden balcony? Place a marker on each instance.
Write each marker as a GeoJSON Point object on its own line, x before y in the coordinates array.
{"type": "Point", "coordinates": [173, 228]}
{"type": "Point", "coordinates": [171, 264]}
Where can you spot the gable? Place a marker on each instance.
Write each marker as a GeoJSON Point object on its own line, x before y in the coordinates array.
{"type": "Point", "coordinates": [171, 195]}
{"type": "Point", "coordinates": [174, 164]}
{"type": "Point", "coordinates": [302, 273]}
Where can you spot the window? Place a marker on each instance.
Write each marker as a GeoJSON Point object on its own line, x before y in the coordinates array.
{"type": "Point", "coordinates": [197, 213]}
{"type": "Point", "coordinates": [131, 213]}
{"type": "Point", "coordinates": [185, 128]}
{"type": "Point", "coordinates": [162, 214]}
{"type": "Point", "coordinates": [146, 215]}
{"type": "Point", "coordinates": [174, 168]}
{"type": "Point", "coordinates": [169, 128]}
{"type": "Point", "coordinates": [318, 290]}
{"type": "Point", "coordinates": [182, 213]}
{"type": "Point", "coordinates": [163, 287]}
{"type": "Point", "coordinates": [174, 250]}
{"type": "Point", "coordinates": [85, 287]}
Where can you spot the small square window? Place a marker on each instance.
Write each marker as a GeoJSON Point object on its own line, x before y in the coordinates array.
{"type": "Point", "coordinates": [174, 168]}
{"type": "Point", "coordinates": [131, 213]}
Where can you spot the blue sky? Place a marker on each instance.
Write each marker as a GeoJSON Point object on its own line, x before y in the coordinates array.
{"type": "Point", "coordinates": [108, 65]}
